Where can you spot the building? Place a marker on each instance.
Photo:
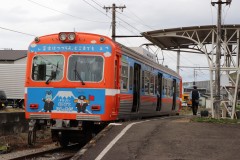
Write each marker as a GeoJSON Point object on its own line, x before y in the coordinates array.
{"type": "Point", "coordinates": [13, 56]}
{"type": "Point", "coordinates": [203, 86]}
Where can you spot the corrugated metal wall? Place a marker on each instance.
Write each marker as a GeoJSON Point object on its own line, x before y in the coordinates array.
{"type": "Point", "coordinates": [12, 79]}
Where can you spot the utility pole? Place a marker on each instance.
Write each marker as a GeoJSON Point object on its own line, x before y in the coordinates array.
{"type": "Point", "coordinates": [114, 17]}
{"type": "Point", "coordinates": [218, 57]}
{"type": "Point", "coordinates": [178, 60]}
{"type": "Point", "coordinates": [194, 77]}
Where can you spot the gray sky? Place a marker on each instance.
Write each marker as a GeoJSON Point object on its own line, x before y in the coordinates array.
{"type": "Point", "coordinates": [41, 17]}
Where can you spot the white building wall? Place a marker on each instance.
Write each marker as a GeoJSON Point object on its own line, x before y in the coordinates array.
{"type": "Point", "coordinates": [21, 61]}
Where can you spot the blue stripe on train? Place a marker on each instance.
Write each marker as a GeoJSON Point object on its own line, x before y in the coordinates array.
{"type": "Point", "coordinates": [70, 48]}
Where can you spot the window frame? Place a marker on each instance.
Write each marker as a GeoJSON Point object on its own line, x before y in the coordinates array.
{"type": "Point", "coordinates": [103, 68]}
{"type": "Point", "coordinates": [63, 67]}
{"type": "Point", "coordinates": [125, 64]}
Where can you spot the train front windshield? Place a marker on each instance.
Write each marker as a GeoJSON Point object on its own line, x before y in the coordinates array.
{"type": "Point", "coordinates": [85, 68]}
{"type": "Point", "coordinates": [47, 67]}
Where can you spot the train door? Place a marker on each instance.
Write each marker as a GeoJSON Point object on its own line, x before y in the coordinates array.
{"type": "Point", "coordinates": [117, 83]}
{"type": "Point", "coordinates": [136, 87]}
{"type": "Point", "coordinates": [159, 92]}
{"type": "Point", "coordinates": [174, 89]}
{"type": "Point", "coordinates": [117, 73]}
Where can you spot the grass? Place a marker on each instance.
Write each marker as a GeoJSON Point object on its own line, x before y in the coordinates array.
{"type": "Point", "coordinates": [213, 120]}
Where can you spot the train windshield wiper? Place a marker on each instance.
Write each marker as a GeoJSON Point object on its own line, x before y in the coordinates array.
{"type": "Point", "coordinates": [49, 79]}
{"type": "Point", "coordinates": [77, 74]}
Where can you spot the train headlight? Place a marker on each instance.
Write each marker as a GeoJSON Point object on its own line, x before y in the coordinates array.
{"type": "Point", "coordinates": [67, 37]}
{"type": "Point", "coordinates": [71, 36]}
{"type": "Point", "coordinates": [62, 36]}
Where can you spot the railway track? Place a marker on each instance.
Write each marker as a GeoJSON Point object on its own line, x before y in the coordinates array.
{"type": "Point", "coordinates": [59, 153]}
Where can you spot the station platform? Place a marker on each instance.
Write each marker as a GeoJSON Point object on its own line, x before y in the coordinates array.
{"type": "Point", "coordinates": [170, 138]}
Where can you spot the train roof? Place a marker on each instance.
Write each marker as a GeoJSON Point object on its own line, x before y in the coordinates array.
{"type": "Point", "coordinates": [140, 57]}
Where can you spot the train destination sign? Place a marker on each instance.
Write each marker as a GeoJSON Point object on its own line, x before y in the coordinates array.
{"type": "Point", "coordinates": [70, 48]}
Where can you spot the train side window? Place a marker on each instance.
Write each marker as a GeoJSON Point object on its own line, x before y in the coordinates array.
{"type": "Point", "coordinates": [124, 76]}
{"type": "Point", "coordinates": [151, 84]}
{"type": "Point", "coordinates": [169, 87]}
{"type": "Point", "coordinates": [166, 88]}
{"type": "Point", "coordinates": [146, 82]}
{"type": "Point", "coordinates": [163, 86]}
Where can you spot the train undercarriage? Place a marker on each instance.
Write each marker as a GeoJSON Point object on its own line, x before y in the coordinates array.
{"type": "Point", "coordinates": [65, 131]}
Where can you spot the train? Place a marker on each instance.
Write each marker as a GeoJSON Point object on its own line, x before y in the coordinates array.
{"type": "Point", "coordinates": [77, 82]}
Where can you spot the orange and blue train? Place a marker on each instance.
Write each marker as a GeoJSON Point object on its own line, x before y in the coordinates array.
{"type": "Point", "coordinates": [75, 81]}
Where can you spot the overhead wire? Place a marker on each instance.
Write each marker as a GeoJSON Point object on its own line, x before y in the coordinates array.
{"type": "Point", "coordinates": [102, 13]}
{"type": "Point", "coordinates": [128, 42]}
{"type": "Point", "coordinates": [84, 19]}
{"type": "Point", "coordinates": [17, 31]}
{"type": "Point", "coordinates": [100, 5]}
{"type": "Point", "coordinates": [134, 20]}
{"type": "Point", "coordinates": [141, 21]}
{"type": "Point", "coordinates": [129, 24]}
{"type": "Point", "coordinates": [96, 8]}
{"type": "Point", "coordinates": [105, 14]}
{"type": "Point", "coordinates": [97, 3]}
{"type": "Point", "coordinates": [128, 17]}
{"type": "Point", "coordinates": [171, 57]}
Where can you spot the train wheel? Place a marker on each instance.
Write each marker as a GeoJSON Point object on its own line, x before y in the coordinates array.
{"type": "Point", "coordinates": [31, 137]}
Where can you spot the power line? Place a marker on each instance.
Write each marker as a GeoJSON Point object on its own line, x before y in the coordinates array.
{"type": "Point", "coordinates": [66, 13]}
{"type": "Point", "coordinates": [103, 12]}
{"type": "Point", "coordinates": [17, 31]}
{"type": "Point", "coordinates": [109, 16]}
{"type": "Point", "coordinates": [97, 3]}
{"type": "Point", "coordinates": [141, 21]}
{"type": "Point", "coordinates": [96, 8]}
{"type": "Point", "coordinates": [129, 24]}
{"type": "Point", "coordinates": [134, 20]}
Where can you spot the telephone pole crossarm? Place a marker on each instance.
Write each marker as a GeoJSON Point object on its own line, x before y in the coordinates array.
{"type": "Point", "coordinates": [114, 7]}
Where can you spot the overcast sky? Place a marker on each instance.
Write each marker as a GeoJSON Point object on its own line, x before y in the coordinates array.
{"type": "Point", "coordinates": [40, 17]}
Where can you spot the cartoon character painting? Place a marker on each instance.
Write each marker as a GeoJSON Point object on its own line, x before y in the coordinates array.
{"type": "Point", "coordinates": [48, 103]}
{"type": "Point", "coordinates": [82, 104]}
